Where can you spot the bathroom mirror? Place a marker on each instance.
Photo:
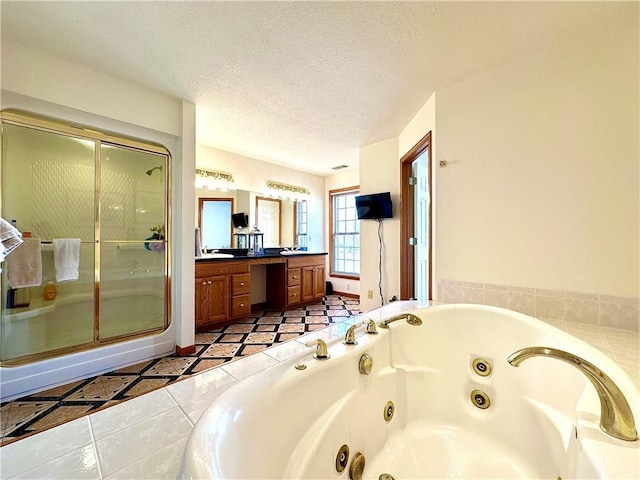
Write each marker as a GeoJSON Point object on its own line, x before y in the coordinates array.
{"type": "Point", "coordinates": [215, 214]}
{"type": "Point", "coordinates": [284, 232]}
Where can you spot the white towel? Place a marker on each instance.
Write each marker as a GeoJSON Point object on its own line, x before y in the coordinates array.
{"type": "Point", "coordinates": [66, 258]}
{"type": "Point", "coordinates": [24, 265]}
{"type": "Point", "coordinates": [10, 237]}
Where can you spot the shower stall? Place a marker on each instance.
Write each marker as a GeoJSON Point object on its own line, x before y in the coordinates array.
{"type": "Point", "coordinates": [64, 183]}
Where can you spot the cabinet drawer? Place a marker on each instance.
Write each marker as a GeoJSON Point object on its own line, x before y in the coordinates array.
{"type": "Point", "coordinates": [305, 261]}
{"type": "Point", "coordinates": [240, 284]}
{"type": "Point", "coordinates": [293, 277]}
{"type": "Point", "coordinates": [206, 269]}
{"type": "Point", "coordinates": [241, 305]}
{"type": "Point", "coordinates": [293, 295]}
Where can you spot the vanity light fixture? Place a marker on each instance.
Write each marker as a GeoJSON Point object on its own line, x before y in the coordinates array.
{"type": "Point", "coordinates": [212, 180]}
{"type": "Point", "coordinates": [290, 192]}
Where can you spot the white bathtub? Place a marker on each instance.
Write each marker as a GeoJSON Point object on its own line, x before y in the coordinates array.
{"type": "Point", "coordinates": [542, 422]}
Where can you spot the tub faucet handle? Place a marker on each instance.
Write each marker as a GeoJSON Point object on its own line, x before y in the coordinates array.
{"type": "Point", "coordinates": [322, 353]}
{"type": "Point", "coordinates": [371, 328]}
{"type": "Point", "coordinates": [350, 336]}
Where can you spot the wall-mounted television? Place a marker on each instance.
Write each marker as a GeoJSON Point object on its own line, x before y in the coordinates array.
{"type": "Point", "coordinates": [240, 220]}
{"type": "Point", "coordinates": [374, 207]}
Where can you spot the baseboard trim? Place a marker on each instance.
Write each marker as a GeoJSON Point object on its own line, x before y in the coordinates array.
{"type": "Point", "coordinates": [346, 294]}
{"type": "Point", "coordinates": [183, 351]}
{"type": "Point", "coordinates": [258, 307]}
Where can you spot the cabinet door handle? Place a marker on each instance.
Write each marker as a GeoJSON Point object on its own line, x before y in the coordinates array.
{"type": "Point", "coordinates": [242, 284]}
{"type": "Point", "coordinates": [295, 277]}
{"type": "Point", "coordinates": [209, 282]}
{"type": "Point", "coordinates": [242, 304]}
{"type": "Point", "coordinates": [204, 283]}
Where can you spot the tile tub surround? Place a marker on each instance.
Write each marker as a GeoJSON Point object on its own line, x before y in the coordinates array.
{"type": "Point", "coordinates": [144, 438]}
{"type": "Point", "coordinates": [564, 306]}
{"type": "Point", "coordinates": [37, 412]}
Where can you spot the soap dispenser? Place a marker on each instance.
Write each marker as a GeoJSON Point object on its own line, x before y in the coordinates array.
{"type": "Point", "coordinates": [49, 292]}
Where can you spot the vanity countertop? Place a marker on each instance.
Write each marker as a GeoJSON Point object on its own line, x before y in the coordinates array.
{"type": "Point", "coordinates": [272, 255]}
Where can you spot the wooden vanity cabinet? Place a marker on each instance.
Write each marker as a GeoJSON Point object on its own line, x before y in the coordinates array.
{"type": "Point", "coordinates": [294, 281]}
{"type": "Point", "coordinates": [211, 292]}
{"type": "Point", "coordinates": [223, 291]}
{"type": "Point", "coordinates": [313, 283]}
{"type": "Point", "coordinates": [305, 279]}
{"type": "Point", "coordinates": [240, 295]}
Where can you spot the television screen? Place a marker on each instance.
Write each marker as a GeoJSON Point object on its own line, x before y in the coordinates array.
{"type": "Point", "coordinates": [240, 220]}
{"type": "Point", "coordinates": [375, 206]}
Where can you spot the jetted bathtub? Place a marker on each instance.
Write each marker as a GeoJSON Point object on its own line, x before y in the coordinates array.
{"type": "Point", "coordinates": [440, 401]}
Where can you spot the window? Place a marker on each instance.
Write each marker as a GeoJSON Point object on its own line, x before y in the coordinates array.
{"type": "Point", "coordinates": [300, 234]}
{"type": "Point", "coordinates": [344, 233]}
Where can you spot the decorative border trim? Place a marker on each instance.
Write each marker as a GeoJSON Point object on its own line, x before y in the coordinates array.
{"type": "Point", "coordinates": [587, 308]}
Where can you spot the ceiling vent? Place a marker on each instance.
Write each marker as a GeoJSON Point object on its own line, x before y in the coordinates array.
{"type": "Point", "coordinates": [339, 167]}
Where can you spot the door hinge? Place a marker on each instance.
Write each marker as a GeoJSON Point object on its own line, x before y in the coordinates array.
{"type": "Point", "coordinates": [413, 241]}
{"type": "Point", "coordinates": [413, 180]}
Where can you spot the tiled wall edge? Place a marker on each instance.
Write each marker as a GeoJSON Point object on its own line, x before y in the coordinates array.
{"type": "Point", "coordinates": [588, 308]}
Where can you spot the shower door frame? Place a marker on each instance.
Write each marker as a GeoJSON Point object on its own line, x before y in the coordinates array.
{"type": "Point", "coordinates": [60, 127]}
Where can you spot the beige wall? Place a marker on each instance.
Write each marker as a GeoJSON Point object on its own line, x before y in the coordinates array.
{"type": "Point", "coordinates": [380, 172]}
{"type": "Point", "coordinates": [35, 74]}
{"type": "Point", "coordinates": [252, 175]}
{"type": "Point", "coordinates": [335, 182]}
{"type": "Point", "coordinates": [71, 92]}
{"type": "Point", "coordinates": [541, 187]}
{"type": "Point", "coordinates": [423, 122]}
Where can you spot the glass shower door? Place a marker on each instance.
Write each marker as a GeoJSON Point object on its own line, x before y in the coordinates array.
{"type": "Point", "coordinates": [133, 241]}
{"type": "Point", "coordinates": [67, 185]}
{"type": "Point", "coordinates": [48, 189]}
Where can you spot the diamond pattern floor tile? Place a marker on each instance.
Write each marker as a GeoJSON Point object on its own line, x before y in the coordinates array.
{"type": "Point", "coordinates": [145, 385]}
{"type": "Point", "coordinates": [253, 334]}
{"type": "Point", "coordinates": [170, 366]}
{"type": "Point", "coordinates": [60, 414]}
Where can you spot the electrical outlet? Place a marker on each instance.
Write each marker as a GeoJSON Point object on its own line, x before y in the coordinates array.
{"type": "Point", "coordinates": [369, 293]}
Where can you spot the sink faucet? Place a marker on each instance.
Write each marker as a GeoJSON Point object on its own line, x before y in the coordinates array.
{"type": "Point", "coordinates": [409, 317]}
{"type": "Point", "coordinates": [616, 418]}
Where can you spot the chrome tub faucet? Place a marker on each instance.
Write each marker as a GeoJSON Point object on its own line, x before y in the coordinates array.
{"type": "Point", "coordinates": [616, 418]}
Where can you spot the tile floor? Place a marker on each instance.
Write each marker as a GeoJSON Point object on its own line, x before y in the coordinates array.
{"type": "Point", "coordinates": [144, 438]}
{"type": "Point", "coordinates": [38, 412]}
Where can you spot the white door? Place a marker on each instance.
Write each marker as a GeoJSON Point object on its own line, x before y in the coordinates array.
{"type": "Point", "coordinates": [421, 209]}
{"type": "Point", "coordinates": [269, 221]}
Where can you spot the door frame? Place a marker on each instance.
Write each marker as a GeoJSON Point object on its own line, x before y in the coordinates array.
{"type": "Point", "coordinates": [407, 257]}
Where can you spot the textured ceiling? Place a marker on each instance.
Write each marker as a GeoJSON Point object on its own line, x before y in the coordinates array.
{"type": "Point", "coordinates": [301, 84]}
